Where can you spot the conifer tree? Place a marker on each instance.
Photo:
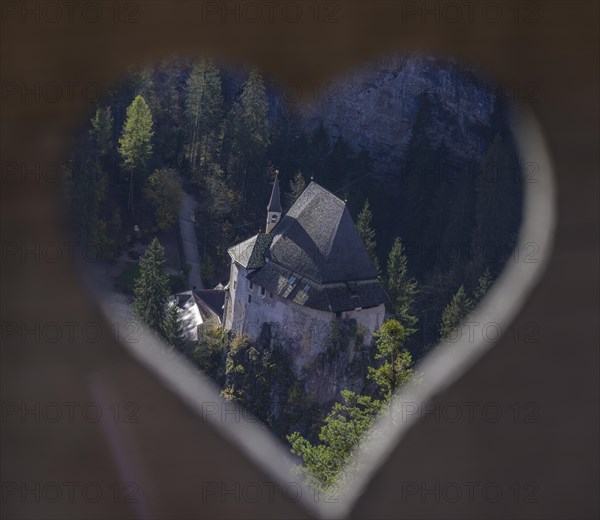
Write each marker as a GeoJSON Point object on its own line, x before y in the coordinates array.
{"type": "Point", "coordinates": [254, 115]}
{"type": "Point", "coordinates": [135, 144]}
{"type": "Point", "coordinates": [250, 129]}
{"type": "Point", "coordinates": [204, 110]}
{"type": "Point", "coordinates": [163, 192]}
{"type": "Point", "coordinates": [397, 366]}
{"type": "Point", "coordinates": [401, 288]}
{"type": "Point", "coordinates": [101, 132]}
{"type": "Point", "coordinates": [171, 328]}
{"type": "Point", "coordinates": [455, 312]}
{"type": "Point", "coordinates": [167, 110]}
{"type": "Point", "coordinates": [349, 421]}
{"type": "Point", "coordinates": [483, 284]}
{"type": "Point", "coordinates": [367, 233]}
{"type": "Point", "coordinates": [342, 431]}
{"type": "Point", "coordinates": [151, 289]}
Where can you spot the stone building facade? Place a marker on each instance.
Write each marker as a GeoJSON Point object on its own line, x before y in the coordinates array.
{"type": "Point", "coordinates": [308, 269]}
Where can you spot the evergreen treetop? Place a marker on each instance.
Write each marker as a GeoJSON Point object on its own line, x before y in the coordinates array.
{"type": "Point", "coordinates": [135, 144]}
{"type": "Point", "coordinates": [364, 227]}
{"type": "Point", "coordinates": [151, 289]}
{"type": "Point", "coordinates": [171, 328]}
{"type": "Point", "coordinates": [401, 287]}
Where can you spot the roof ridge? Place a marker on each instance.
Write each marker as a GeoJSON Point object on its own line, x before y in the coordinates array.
{"type": "Point", "coordinates": [335, 197]}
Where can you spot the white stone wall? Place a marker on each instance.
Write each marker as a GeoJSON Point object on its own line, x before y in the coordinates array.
{"type": "Point", "coordinates": [371, 319]}
{"type": "Point", "coordinates": [302, 330]}
{"type": "Point", "coordinates": [237, 299]}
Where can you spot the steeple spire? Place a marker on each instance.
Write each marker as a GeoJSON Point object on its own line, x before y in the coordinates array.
{"type": "Point", "coordinates": [274, 207]}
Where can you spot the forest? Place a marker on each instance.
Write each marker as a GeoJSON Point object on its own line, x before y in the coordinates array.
{"type": "Point", "coordinates": [439, 228]}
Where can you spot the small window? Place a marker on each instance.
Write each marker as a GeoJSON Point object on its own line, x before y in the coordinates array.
{"type": "Point", "coordinates": [263, 291]}
{"type": "Point", "coordinates": [249, 298]}
{"type": "Point", "coordinates": [234, 284]}
{"type": "Point", "coordinates": [274, 218]}
{"type": "Point", "coordinates": [251, 286]}
{"type": "Point", "coordinates": [270, 295]}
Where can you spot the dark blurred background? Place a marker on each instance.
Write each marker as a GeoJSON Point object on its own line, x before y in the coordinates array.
{"type": "Point", "coordinates": [55, 59]}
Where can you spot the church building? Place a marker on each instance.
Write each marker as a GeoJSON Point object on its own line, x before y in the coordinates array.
{"type": "Point", "coordinates": [309, 268]}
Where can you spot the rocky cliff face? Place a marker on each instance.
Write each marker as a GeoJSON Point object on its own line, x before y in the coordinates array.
{"type": "Point", "coordinates": [375, 108]}
{"type": "Point", "coordinates": [291, 390]}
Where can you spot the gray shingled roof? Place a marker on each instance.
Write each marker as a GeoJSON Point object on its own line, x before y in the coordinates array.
{"type": "Point", "coordinates": [313, 257]}
{"type": "Point", "coordinates": [275, 202]}
{"type": "Point", "coordinates": [318, 239]}
{"type": "Point", "coordinates": [332, 297]}
{"type": "Point", "coordinates": [250, 253]}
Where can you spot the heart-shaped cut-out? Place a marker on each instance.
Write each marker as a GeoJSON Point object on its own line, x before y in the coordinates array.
{"type": "Point", "coordinates": [432, 112]}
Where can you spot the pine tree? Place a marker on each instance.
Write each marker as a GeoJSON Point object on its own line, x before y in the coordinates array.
{"type": "Point", "coordinates": [248, 124]}
{"type": "Point", "coordinates": [249, 129]}
{"type": "Point", "coordinates": [348, 422]}
{"type": "Point", "coordinates": [204, 110]}
{"type": "Point", "coordinates": [166, 105]}
{"type": "Point", "coordinates": [342, 431]}
{"type": "Point", "coordinates": [367, 233]}
{"type": "Point", "coordinates": [455, 312]}
{"type": "Point", "coordinates": [483, 284]}
{"type": "Point", "coordinates": [171, 328]}
{"type": "Point", "coordinates": [401, 288]}
{"type": "Point", "coordinates": [211, 351]}
{"type": "Point", "coordinates": [397, 366]}
{"type": "Point", "coordinates": [135, 144]}
{"type": "Point", "coordinates": [152, 287]}
{"type": "Point", "coordinates": [101, 132]}
{"type": "Point", "coordinates": [254, 115]}
{"type": "Point", "coordinates": [164, 194]}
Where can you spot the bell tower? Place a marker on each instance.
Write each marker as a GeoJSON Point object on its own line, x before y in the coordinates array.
{"type": "Point", "coordinates": [274, 207]}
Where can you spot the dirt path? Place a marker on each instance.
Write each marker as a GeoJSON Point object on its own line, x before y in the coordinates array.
{"type": "Point", "coordinates": [188, 236]}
